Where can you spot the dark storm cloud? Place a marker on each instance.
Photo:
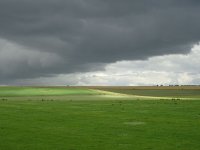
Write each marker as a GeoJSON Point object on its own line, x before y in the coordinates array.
{"type": "Point", "coordinates": [64, 36]}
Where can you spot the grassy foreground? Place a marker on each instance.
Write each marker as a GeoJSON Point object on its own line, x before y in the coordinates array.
{"type": "Point", "coordinates": [97, 122]}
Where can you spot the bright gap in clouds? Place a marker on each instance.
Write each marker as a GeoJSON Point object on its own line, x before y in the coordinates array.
{"type": "Point", "coordinates": [168, 69]}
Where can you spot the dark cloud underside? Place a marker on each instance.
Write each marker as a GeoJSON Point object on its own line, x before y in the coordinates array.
{"type": "Point", "coordinates": [65, 36]}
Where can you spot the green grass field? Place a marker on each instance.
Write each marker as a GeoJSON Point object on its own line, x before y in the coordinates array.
{"type": "Point", "coordinates": [75, 118]}
{"type": "Point", "coordinates": [42, 91]}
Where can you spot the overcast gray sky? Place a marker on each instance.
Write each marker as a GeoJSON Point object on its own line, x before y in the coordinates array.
{"type": "Point", "coordinates": [99, 42]}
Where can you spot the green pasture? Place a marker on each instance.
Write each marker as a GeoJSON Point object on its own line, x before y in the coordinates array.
{"type": "Point", "coordinates": [43, 91]}
{"type": "Point", "coordinates": [75, 118]}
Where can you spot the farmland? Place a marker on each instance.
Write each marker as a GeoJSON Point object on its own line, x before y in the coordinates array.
{"type": "Point", "coordinates": [99, 118]}
{"type": "Point", "coordinates": [165, 91]}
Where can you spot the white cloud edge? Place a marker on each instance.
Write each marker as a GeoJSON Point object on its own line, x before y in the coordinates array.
{"type": "Point", "coordinates": [168, 69]}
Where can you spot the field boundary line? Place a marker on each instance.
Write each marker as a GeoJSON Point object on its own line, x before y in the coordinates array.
{"type": "Point", "coordinates": [127, 95]}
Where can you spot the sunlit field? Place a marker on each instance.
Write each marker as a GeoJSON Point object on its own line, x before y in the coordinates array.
{"type": "Point", "coordinates": [99, 118]}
